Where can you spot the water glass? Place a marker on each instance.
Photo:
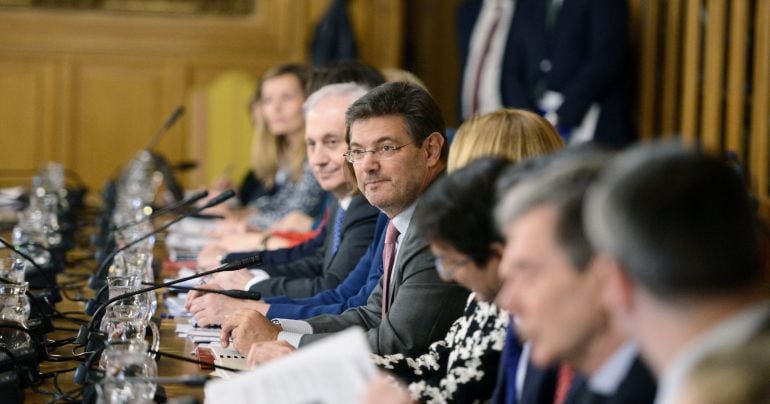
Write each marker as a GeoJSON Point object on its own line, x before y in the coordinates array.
{"type": "Point", "coordinates": [14, 303]}
{"type": "Point", "coordinates": [12, 269]}
{"type": "Point", "coordinates": [129, 373]}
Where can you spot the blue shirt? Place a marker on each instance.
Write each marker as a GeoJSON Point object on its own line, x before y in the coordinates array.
{"type": "Point", "coordinates": [354, 291]}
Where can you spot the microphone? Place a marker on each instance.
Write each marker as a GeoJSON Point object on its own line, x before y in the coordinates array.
{"type": "Point", "coordinates": [172, 118]}
{"type": "Point", "coordinates": [97, 279]}
{"type": "Point", "coordinates": [234, 293]}
{"type": "Point", "coordinates": [86, 331]}
{"type": "Point", "coordinates": [168, 208]}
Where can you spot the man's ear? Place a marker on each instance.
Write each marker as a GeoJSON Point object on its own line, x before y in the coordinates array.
{"type": "Point", "coordinates": [618, 287]}
{"type": "Point", "coordinates": [434, 143]}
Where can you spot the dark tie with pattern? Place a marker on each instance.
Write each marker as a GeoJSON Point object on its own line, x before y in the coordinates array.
{"type": "Point", "coordinates": [388, 256]}
{"type": "Point", "coordinates": [337, 230]}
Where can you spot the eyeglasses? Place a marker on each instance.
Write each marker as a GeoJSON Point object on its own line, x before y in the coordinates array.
{"type": "Point", "coordinates": [446, 273]}
{"type": "Point", "coordinates": [383, 152]}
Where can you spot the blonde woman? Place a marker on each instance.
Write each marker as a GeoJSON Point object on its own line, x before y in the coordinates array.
{"type": "Point", "coordinates": [280, 181]}
{"type": "Point", "coordinates": [515, 134]}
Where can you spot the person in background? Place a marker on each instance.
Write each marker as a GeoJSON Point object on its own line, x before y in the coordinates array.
{"type": "Point", "coordinates": [280, 181]}
{"type": "Point", "coordinates": [569, 60]}
{"type": "Point", "coordinates": [502, 133]}
{"type": "Point", "coordinates": [352, 226]}
{"type": "Point", "coordinates": [555, 291]}
{"type": "Point", "coordinates": [236, 246]}
{"type": "Point", "coordinates": [679, 242]}
{"type": "Point", "coordinates": [397, 149]}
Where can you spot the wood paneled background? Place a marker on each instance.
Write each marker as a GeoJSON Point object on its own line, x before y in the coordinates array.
{"type": "Point", "coordinates": [89, 88]}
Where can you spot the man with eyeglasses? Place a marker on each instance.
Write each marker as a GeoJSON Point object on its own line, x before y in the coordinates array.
{"type": "Point", "coordinates": [397, 149]}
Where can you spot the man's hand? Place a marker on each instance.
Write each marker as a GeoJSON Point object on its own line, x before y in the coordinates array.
{"type": "Point", "coordinates": [382, 390]}
{"type": "Point", "coordinates": [233, 279]}
{"type": "Point", "coordinates": [262, 352]}
{"type": "Point", "coordinates": [210, 255]}
{"type": "Point", "coordinates": [212, 308]}
{"type": "Point", "coordinates": [247, 327]}
{"type": "Point", "coordinates": [194, 294]}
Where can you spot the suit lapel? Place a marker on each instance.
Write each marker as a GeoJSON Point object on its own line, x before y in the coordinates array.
{"type": "Point", "coordinates": [328, 239]}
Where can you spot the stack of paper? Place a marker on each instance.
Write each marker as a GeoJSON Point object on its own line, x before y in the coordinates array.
{"type": "Point", "coordinates": [334, 370]}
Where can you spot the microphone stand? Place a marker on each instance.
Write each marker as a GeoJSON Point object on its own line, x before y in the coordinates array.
{"type": "Point", "coordinates": [86, 331]}
{"type": "Point", "coordinates": [168, 208]}
{"type": "Point", "coordinates": [97, 280]}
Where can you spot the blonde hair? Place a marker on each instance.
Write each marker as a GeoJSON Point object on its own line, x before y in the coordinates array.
{"type": "Point", "coordinates": [514, 134]}
{"type": "Point", "coordinates": [268, 150]}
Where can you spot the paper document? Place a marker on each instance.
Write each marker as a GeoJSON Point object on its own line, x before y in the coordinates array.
{"type": "Point", "coordinates": [334, 370]}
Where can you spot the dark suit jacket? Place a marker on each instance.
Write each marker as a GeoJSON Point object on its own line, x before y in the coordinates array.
{"type": "Point", "coordinates": [422, 307]}
{"type": "Point", "coordinates": [322, 270]}
{"type": "Point", "coordinates": [588, 53]}
{"type": "Point", "coordinates": [638, 387]}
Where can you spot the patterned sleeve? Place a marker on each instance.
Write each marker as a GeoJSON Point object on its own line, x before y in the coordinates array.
{"type": "Point", "coordinates": [463, 366]}
{"type": "Point", "coordinates": [304, 195]}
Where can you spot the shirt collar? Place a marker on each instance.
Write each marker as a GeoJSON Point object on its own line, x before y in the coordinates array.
{"type": "Point", "coordinates": [614, 370]}
{"type": "Point", "coordinates": [402, 220]}
{"type": "Point", "coordinates": [733, 331]}
{"type": "Point", "coordinates": [345, 202]}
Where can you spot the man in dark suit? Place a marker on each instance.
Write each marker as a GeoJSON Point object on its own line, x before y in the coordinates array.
{"type": "Point", "coordinates": [397, 149]}
{"type": "Point", "coordinates": [567, 59]}
{"type": "Point", "coordinates": [351, 219]}
{"type": "Point", "coordinates": [555, 291]}
{"type": "Point", "coordinates": [677, 237]}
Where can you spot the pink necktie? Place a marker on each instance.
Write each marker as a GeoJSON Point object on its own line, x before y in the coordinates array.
{"type": "Point", "coordinates": [388, 255]}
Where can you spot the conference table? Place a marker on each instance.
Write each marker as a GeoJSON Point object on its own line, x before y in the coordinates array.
{"type": "Point", "coordinates": [169, 343]}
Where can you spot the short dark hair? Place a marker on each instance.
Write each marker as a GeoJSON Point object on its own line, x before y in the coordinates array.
{"type": "Point", "coordinates": [457, 209]}
{"type": "Point", "coordinates": [419, 109]}
{"type": "Point", "coordinates": [561, 185]}
{"type": "Point", "coordinates": [345, 71]}
{"type": "Point", "coordinates": [679, 222]}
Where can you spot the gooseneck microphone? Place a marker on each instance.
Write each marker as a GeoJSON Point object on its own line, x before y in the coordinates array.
{"type": "Point", "coordinates": [97, 279]}
{"type": "Point", "coordinates": [234, 293]}
{"type": "Point", "coordinates": [86, 331]}
{"type": "Point", "coordinates": [168, 208]}
{"type": "Point", "coordinates": [172, 118]}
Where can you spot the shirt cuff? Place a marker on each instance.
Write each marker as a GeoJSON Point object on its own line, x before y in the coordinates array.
{"type": "Point", "coordinates": [294, 326]}
{"type": "Point", "coordinates": [292, 338]}
{"type": "Point", "coordinates": [258, 275]}
{"type": "Point", "coordinates": [293, 330]}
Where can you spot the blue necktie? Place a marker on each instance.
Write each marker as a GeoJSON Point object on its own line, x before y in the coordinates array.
{"type": "Point", "coordinates": [338, 218]}
{"type": "Point", "coordinates": [511, 355]}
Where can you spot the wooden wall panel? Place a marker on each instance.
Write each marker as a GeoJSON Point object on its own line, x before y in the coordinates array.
{"type": "Point", "coordinates": [760, 107]}
{"type": "Point", "coordinates": [26, 111]}
{"type": "Point", "coordinates": [117, 105]}
{"type": "Point", "coordinates": [88, 88]}
{"type": "Point", "coordinates": [713, 75]}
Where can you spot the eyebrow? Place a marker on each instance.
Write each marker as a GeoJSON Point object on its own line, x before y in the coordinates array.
{"type": "Point", "coordinates": [335, 136]}
{"type": "Point", "coordinates": [381, 140]}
